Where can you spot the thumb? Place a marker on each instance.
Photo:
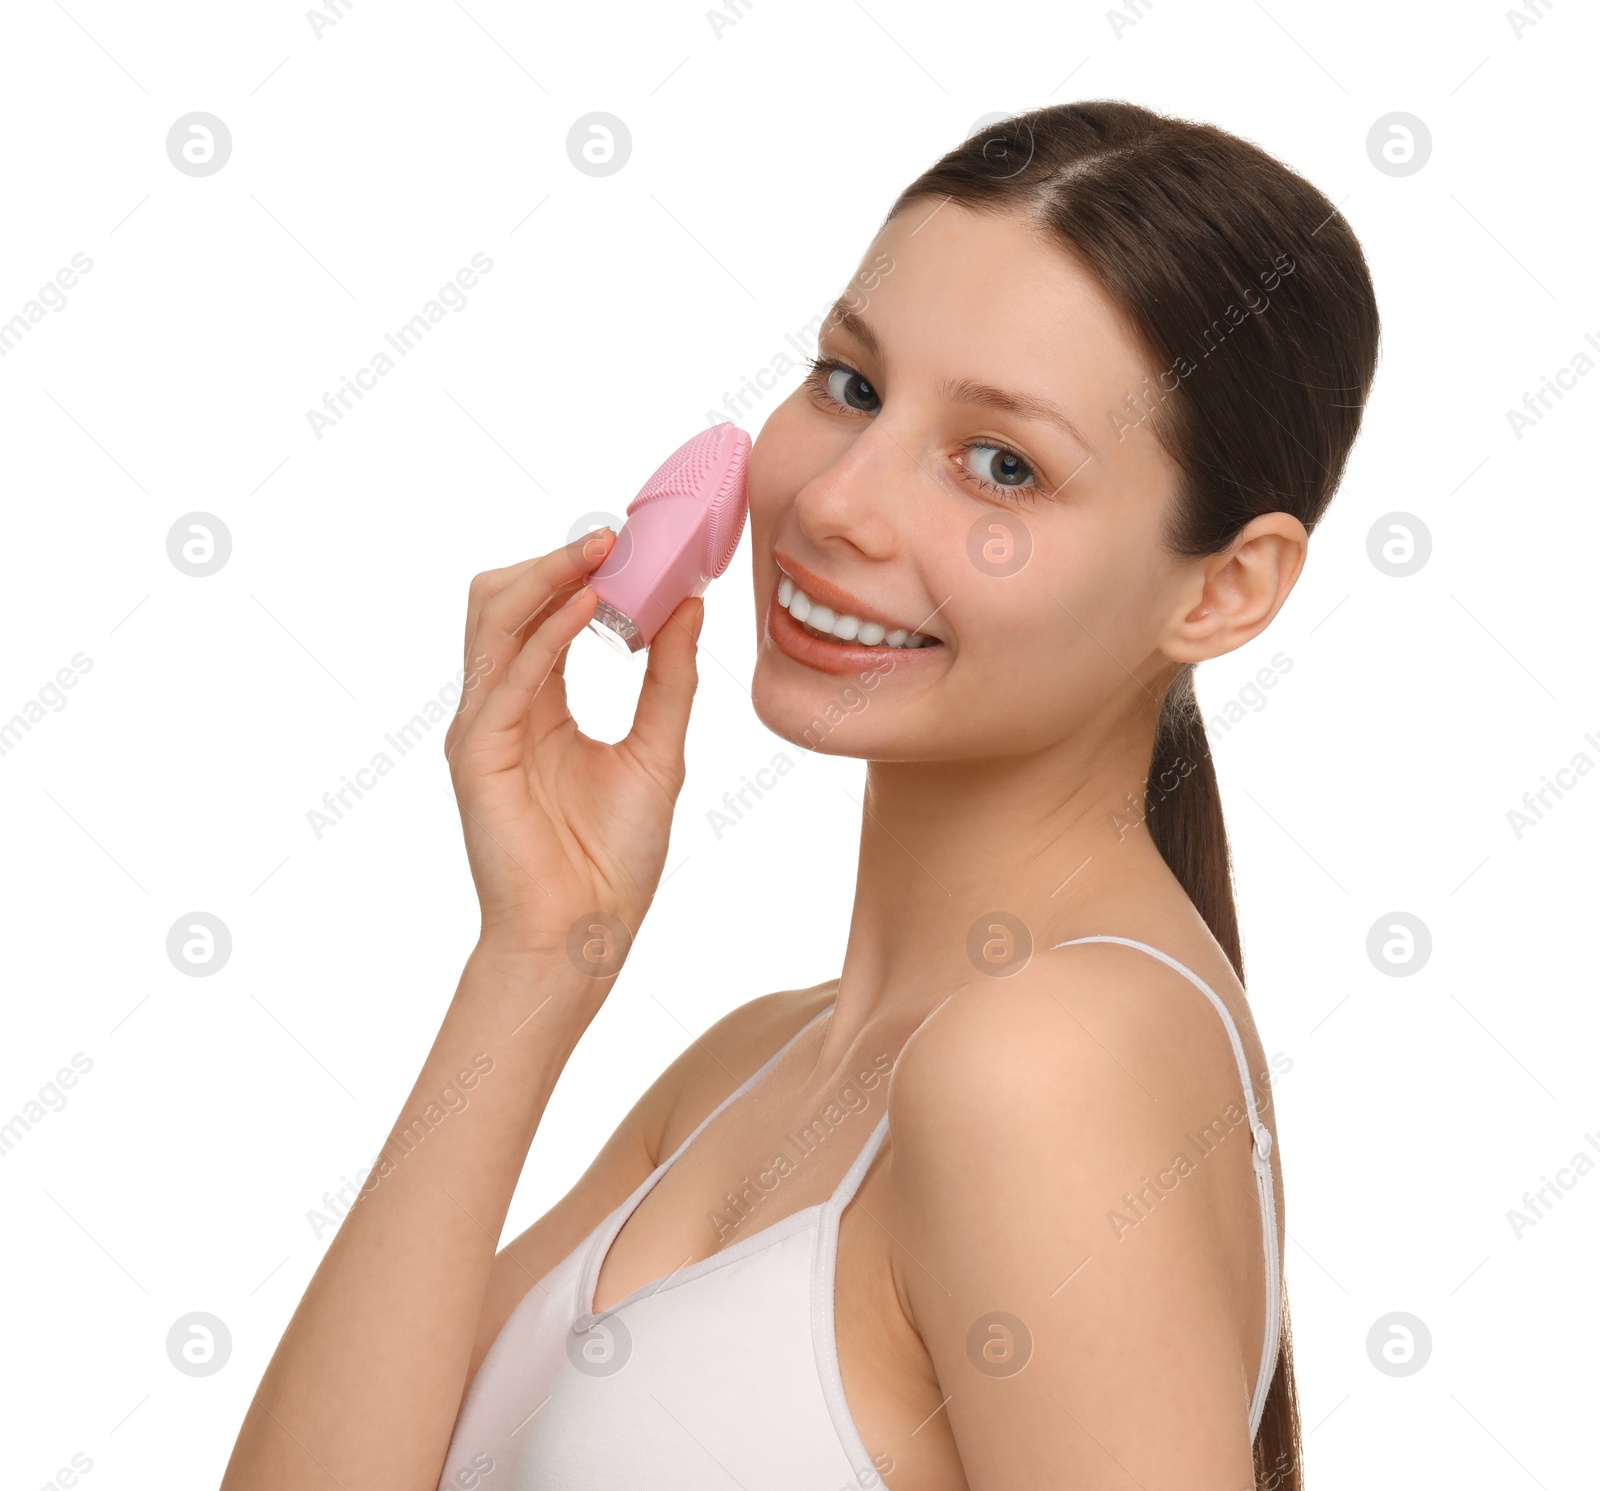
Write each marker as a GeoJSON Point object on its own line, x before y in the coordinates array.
{"type": "Point", "coordinates": [661, 719]}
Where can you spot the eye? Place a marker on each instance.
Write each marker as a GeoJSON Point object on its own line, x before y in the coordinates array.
{"type": "Point", "coordinates": [836, 385]}
{"type": "Point", "coordinates": [832, 380]}
{"type": "Point", "coordinates": [1005, 468]}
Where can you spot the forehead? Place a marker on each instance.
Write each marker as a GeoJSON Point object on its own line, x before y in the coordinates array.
{"type": "Point", "coordinates": [995, 299]}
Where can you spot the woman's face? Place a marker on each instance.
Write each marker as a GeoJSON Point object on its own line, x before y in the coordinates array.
{"type": "Point", "coordinates": [891, 488]}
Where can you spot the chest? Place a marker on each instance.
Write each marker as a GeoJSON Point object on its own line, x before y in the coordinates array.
{"type": "Point", "coordinates": [734, 1189]}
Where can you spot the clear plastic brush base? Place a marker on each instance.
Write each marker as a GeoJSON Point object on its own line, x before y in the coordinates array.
{"type": "Point", "coordinates": [615, 630]}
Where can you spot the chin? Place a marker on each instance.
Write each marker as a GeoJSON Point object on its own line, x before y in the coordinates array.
{"type": "Point", "coordinates": [830, 715]}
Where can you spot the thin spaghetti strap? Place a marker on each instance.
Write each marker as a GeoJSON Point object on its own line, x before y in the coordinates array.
{"type": "Point", "coordinates": [1261, 1155]}
{"type": "Point", "coordinates": [745, 1086]}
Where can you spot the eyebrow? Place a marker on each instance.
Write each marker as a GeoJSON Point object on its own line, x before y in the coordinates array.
{"type": "Point", "coordinates": [965, 390]}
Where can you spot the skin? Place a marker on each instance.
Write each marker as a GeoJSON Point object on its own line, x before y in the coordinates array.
{"type": "Point", "coordinates": [1001, 777]}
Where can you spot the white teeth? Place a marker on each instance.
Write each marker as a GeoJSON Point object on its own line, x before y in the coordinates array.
{"type": "Point", "coordinates": [844, 627]}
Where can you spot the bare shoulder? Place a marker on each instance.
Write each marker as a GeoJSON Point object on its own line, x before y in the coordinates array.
{"type": "Point", "coordinates": [1028, 1119]}
{"type": "Point", "coordinates": [714, 1063]}
{"type": "Point", "coordinates": [1094, 1031]}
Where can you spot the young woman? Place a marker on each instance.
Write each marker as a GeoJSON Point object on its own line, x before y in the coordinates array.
{"type": "Point", "coordinates": [999, 1206]}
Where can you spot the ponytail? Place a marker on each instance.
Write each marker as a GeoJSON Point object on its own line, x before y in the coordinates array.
{"type": "Point", "coordinates": [1187, 827]}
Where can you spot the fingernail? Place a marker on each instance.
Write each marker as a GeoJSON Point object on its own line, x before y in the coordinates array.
{"type": "Point", "coordinates": [699, 622]}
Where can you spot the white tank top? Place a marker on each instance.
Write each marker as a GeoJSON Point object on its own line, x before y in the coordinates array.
{"type": "Point", "coordinates": [725, 1371]}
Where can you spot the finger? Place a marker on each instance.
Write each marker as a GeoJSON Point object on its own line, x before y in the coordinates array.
{"type": "Point", "coordinates": [521, 583]}
{"type": "Point", "coordinates": [483, 669]}
{"type": "Point", "coordinates": [661, 719]}
{"type": "Point", "coordinates": [502, 713]}
{"type": "Point", "coordinates": [533, 591]}
{"type": "Point", "coordinates": [484, 585]}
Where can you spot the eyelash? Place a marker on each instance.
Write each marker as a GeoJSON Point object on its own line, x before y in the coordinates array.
{"type": "Point", "coordinates": [816, 381]}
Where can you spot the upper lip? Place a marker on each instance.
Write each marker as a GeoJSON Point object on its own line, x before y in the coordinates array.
{"type": "Point", "coordinates": [840, 601]}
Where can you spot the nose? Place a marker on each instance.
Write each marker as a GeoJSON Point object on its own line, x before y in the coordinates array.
{"type": "Point", "coordinates": [855, 499]}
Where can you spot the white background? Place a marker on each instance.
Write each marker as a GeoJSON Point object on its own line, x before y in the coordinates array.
{"type": "Point", "coordinates": [367, 167]}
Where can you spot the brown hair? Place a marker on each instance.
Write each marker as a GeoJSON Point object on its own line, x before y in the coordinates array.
{"type": "Point", "coordinates": [1252, 297]}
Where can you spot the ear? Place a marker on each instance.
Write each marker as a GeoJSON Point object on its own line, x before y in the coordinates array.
{"type": "Point", "coordinates": [1230, 596]}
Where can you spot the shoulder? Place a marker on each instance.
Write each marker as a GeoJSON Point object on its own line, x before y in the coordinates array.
{"type": "Point", "coordinates": [727, 1053]}
{"type": "Point", "coordinates": [1100, 1036]}
{"type": "Point", "coordinates": [1039, 1127]}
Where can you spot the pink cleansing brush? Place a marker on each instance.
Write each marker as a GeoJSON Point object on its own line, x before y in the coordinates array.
{"type": "Point", "coordinates": [680, 533]}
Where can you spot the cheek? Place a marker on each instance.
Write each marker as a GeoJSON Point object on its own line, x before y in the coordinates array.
{"type": "Point", "coordinates": [1077, 609]}
{"type": "Point", "coordinates": [776, 469]}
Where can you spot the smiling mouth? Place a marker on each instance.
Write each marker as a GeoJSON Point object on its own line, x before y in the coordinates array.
{"type": "Point", "coordinates": [828, 625]}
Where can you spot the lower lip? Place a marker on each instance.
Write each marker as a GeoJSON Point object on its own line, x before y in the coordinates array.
{"type": "Point", "coordinates": [837, 657]}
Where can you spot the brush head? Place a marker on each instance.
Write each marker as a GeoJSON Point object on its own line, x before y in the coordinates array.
{"type": "Point", "coordinates": [681, 533]}
{"type": "Point", "coordinates": [710, 469]}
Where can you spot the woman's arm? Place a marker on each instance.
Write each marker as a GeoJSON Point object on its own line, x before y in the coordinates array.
{"type": "Point", "coordinates": [1093, 1305]}
{"type": "Point", "coordinates": [366, 1381]}
{"type": "Point", "coordinates": [566, 838]}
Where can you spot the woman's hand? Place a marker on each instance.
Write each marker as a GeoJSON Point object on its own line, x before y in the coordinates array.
{"type": "Point", "coordinates": [561, 828]}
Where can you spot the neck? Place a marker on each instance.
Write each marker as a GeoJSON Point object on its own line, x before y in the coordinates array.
{"type": "Point", "coordinates": [963, 862]}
